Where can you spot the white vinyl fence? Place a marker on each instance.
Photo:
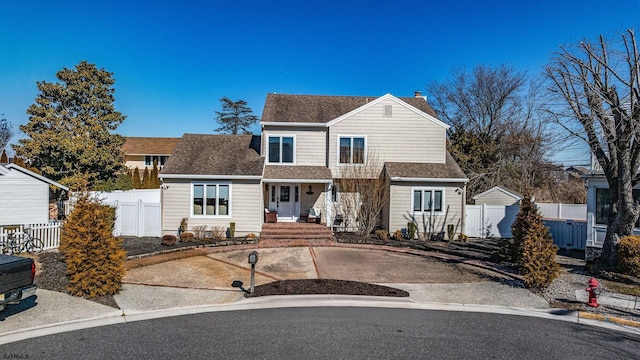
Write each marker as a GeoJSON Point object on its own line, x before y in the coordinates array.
{"type": "Point", "coordinates": [137, 211]}
{"type": "Point", "coordinates": [566, 222]}
{"type": "Point", "coordinates": [49, 233]}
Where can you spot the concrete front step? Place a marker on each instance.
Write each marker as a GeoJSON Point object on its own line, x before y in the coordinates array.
{"type": "Point", "coordinates": [294, 242]}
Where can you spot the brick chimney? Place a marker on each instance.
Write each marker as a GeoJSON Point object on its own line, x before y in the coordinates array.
{"type": "Point", "coordinates": [417, 94]}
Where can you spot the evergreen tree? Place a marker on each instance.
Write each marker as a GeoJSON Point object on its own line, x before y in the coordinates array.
{"type": "Point", "coordinates": [146, 179]}
{"type": "Point", "coordinates": [533, 246]}
{"type": "Point", "coordinates": [69, 133]}
{"type": "Point", "coordinates": [155, 180]}
{"type": "Point", "coordinates": [135, 177]}
{"type": "Point", "coordinates": [94, 257]}
{"type": "Point", "coordinates": [3, 158]}
{"type": "Point", "coordinates": [235, 118]}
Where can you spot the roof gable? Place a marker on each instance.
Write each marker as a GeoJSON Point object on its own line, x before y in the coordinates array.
{"type": "Point", "coordinates": [4, 169]}
{"type": "Point", "coordinates": [513, 194]}
{"type": "Point", "coordinates": [319, 110]}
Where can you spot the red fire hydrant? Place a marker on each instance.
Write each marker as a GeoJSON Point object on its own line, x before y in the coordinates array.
{"type": "Point", "coordinates": [594, 290]}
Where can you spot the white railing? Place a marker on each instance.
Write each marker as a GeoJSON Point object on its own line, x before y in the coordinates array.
{"type": "Point", "coordinates": [49, 233]}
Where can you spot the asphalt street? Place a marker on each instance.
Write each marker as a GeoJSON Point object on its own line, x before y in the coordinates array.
{"type": "Point", "coordinates": [334, 332]}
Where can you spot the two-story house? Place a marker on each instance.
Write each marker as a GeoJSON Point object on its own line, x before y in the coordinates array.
{"type": "Point", "coordinates": [307, 143]}
{"type": "Point", "coordinates": [141, 152]}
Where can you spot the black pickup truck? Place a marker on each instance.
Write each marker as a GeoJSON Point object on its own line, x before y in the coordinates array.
{"type": "Point", "coordinates": [16, 279]}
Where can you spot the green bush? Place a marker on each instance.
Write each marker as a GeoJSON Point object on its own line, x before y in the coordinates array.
{"type": "Point", "coordinates": [397, 235]}
{"type": "Point", "coordinates": [629, 255]}
{"type": "Point", "coordinates": [533, 247]}
{"type": "Point", "coordinates": [232, 230]}
{"type": "Point", "coordinates": [382, 234]}
{"type": "Point", "coordinates": [451, 231]}
{"type": "Point", "coordinates": [411, 229]}
{"type": "Point", "coordinates": [94, 257]}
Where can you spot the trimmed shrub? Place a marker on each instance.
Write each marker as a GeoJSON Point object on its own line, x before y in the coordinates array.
{"type": "Point", "coordinates": [411, 229]}
{"type": "Point", "coordinates": [187, 236]}
{"type": "Point", "coordinates": [169, 240]}
{"type": "Point", "coordinates": [250, 236]}
{"type": "Point", "coordinates": [397, 235]}
{"type": "Point", "coordinates": [382, 234]}
{"type": "Point", "coordinates": [533, 247]}
{"type": "Point", "coordinates": [218, 232]}
{"type": "Point", "coordinates": [463, 237]}
{"type": "Point", "coordinates": [451, 231]}
{"type": "Point", "coordinates": [629, 255]}
{"type": "Point", "coordinates": [94, 257]}
{"type": "Point", "coordinates": [232, 229]}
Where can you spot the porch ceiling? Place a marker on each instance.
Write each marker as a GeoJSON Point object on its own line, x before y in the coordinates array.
{"type": "Point", "coordinates": [297, 173]}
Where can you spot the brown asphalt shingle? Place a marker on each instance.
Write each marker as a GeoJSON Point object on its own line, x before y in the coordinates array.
{"type": "Point", "coordinates": [448, 170]}
{"type": "Point", "coordinates": [297, 172]}
{"type": "Point", "coordinates": [149, 145]}
{"type": "Point", "coordinates": [322, 109]}
{"type": "Point", "coordinates": [200, 154]}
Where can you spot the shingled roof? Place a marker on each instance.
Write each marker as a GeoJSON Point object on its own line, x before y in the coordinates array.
{"type": "Point", "coordinates": [220, 155]}
{"type": "Point", "coordinates": [320, 109]}
{"type": "Point", "coordinates": [296, 172]}
{"type": "Point", "coordinates": [149, 145]}
{"type": "Point", "coordinates": [448, 170]}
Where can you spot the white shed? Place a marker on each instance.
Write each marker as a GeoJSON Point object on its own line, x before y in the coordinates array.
{"type": "Point", "coordinates": [24, 196]}
{"type": "Point", "coordinates": [497, 196]}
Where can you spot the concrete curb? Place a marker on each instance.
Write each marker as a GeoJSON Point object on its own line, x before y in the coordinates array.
{"type": "Point", "coordinates": [607, 318]}
{"type": "Point", "coordinates": [298, 301]}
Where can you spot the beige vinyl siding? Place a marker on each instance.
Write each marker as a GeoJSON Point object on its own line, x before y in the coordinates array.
{"type": "Point", "coordinates": [496, 197]}
{"type": "Point", "coordinates": [246, 209]}
{"type": "Point", "coordinates": [24, 199]}
{"type": "Point", "coordinates": [133, 161]}
{"type": "Point", "coordinates": [401, 212]}
{"type": "Point", "coordinates": [403, 137]}
{"type": "Point", "coordinates": [310, 144]}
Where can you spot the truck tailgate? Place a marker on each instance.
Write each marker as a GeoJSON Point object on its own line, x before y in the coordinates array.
{"type": "Point", "coordinates": [15, 272]}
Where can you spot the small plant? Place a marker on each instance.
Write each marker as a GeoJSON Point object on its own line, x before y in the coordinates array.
{"type": "Point", "coordinates": [200, 231]}
{"type": "Point", "coordinates": [451, 232]}
{"type": "Point", "coordinates": [397, 235]}
{"type": "Point", "coordinates": [169, 240]}
{"type": "Point", "coordinates": [463, 237]}
{"type": "Point", "coordinates": [232, 229]}
{"type": "Point", "coordinates": [187, 236]}
{"type": "Point", "coordinates": [382, 234]}
{"type": "Point", "coordinates": [629, 255]}
{"type": "Point", "coordinates": [250, 236]}
{"type": "Point", "coordinates": [411, 229]}
{"type": "Point", "coordinates": [183, 224]}
{"type": "Point", "coordinates": [218, 232]}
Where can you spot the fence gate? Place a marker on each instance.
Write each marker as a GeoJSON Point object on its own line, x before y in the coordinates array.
{"type": "Point", "coordinates": [137, 219]}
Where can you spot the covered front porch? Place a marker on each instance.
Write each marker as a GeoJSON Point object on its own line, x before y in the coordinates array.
{"type": "Point", "coordinates": [297, 194]}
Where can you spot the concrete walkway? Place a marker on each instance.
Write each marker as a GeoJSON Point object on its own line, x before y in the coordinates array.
{"type": "Point", "coordinates": [192, 282]}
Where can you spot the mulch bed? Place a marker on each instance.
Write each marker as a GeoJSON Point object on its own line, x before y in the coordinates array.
{"type": "Point", "coordinates": [325, 286]}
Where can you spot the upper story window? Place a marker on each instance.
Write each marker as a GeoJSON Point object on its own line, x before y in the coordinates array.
{"type": "Point", "coordinates": [149, 159]}
{"type": "Point", "coordinates": [352, 149]}
{"type": "Point", "coordinates": [210, 200]}
{"type": "Point", "coordinates": [281, 149]}
{"type": "Point", "coordinates": [427, 200]}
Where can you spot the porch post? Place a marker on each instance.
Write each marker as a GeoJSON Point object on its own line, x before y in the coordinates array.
{"type": "Point", "coordinates": [327, 203]}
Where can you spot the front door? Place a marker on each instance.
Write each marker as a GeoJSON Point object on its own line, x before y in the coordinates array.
{"type": "Point", "coordinates": [284, 198]}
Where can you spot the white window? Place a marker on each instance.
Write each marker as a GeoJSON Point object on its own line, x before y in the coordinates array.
{"type": "Point", "coordinates": [427, 200]}
{"type": "Point", "coordinates": [281, 149]}
{"type": "Point", "coordinates": [160, 160]}
{"type": "Point", "coordinates": [211, 200]}
{"type": "Point", "coordinates": [351, 149]}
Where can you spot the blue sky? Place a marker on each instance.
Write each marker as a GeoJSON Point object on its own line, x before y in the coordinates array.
{"type": "Point", "coordinates": [174, 60]}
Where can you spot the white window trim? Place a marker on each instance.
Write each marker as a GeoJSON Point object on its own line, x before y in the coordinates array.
{"type": "Point", "coordinates": [204, 215]}
{"type": "Point", "coordinates": [432, 189]}
{"type": "Point", "coordinates": [281, 136]}
{"type": "Point", "coordinates": [156, 155]}
{"type": "Point", "coordinates": [366, 144]}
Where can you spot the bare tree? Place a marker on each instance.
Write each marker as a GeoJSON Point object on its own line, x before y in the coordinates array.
{"type": "Point", "coordinates": [362, 195]}
{"type": "Point", "coordinates": [6, 132]}
{"type": "Point", "coordinates": [498, 135]}
{"type": "Point", "coordinates": [598, 91]}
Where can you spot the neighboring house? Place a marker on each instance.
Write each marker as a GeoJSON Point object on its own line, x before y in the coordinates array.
{"type": "Point", "coordinates": [498, 195]}
{"type": "Point", "coordinates": [24, 196]}
{"type": "Point", "coordinates": [140, 152]}
{"type": "Point", "coordinates": [307, 142]}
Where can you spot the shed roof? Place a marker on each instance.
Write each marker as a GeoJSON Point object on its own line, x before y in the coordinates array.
{"type": "Point", "coordinates": [448, 170]}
